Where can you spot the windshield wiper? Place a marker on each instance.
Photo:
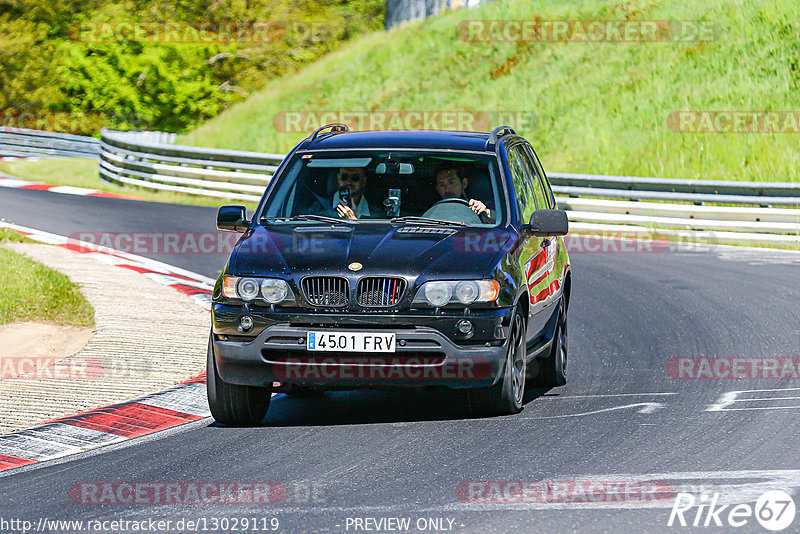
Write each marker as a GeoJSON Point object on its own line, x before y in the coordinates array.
{"type": "Point", "coordinates": [424, 220]}
{"type": "Point", "coordinates": [308, 217]}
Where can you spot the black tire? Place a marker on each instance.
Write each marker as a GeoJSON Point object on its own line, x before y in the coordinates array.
{"type": "Point", "coordinates": [553, 368]}
{"type": "Point", "coordinates": [232, 404]}
{"type": "Point", "coordinates": [505, 397]}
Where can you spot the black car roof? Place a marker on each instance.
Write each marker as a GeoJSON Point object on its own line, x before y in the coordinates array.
{"type": "Point", "coordinates": [430, 139]}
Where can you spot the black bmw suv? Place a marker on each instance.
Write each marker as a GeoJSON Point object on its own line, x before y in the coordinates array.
{"type": "Point", "coordinates": [393, 259]}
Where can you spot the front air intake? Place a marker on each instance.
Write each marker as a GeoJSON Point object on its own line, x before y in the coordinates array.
{"type": "Point", "coordinates": [380, 291]}
{"type": "Point", "coordinates": [326, 291]}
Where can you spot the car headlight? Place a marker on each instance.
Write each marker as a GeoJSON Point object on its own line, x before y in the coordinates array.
{"type": "Point", "coordinates": [270, 290]}
{"type": "Point", "coordinates": [464, 292]}
{"type": "Point", "coordinates": [247, 288]}
{"type": "Point", "coordinates": [438, 293]}
{"type": "Point", "coordinates": [467, 292]}
{"type": "Point", "coordinates": [274, 290]}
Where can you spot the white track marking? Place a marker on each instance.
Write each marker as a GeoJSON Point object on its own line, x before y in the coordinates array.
{"type": "Point", "coordinates": [646, 407]}
{"type": "Point", "coordinates": [11, 182]}
{"type": "Point", "coordinates": [71, 190]}
{"type": "Point", "coordinates": [568, 397]}
{"type": "Point", "coordinates": [730, 397]}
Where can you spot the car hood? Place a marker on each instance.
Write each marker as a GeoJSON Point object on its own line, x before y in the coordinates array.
{"type": "Point", "coordinates": [408, 250]}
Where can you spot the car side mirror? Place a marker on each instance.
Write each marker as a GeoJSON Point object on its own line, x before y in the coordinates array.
{"type": "Point", "coordinates": [232, 219]}
{"type": "Point", "coordinates": [548, 223]}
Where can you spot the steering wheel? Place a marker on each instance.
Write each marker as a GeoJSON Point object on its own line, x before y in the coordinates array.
{"type": "Point", "coordinates": [455, 200]}
{"type": "Point", "coordinates": [453, 209]}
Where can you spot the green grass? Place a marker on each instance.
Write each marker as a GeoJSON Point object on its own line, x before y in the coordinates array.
{"type": "Point", "coordinates": [10, 236]}
{"type": "Point", "coordinates": [600, 107]}
{"type": "Point", "coordinates": [29, 291]}
{"type": "Point", "coordinates": [82, 172]}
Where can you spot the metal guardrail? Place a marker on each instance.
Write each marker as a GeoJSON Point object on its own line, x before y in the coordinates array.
{"type": "Point", "coordinates": [23, 143]}
{"type": "Point", "coordinates": [233, 174]}
{"type": "Point", "coordinates": [209, 171]}
{"type": "Point", "coordinates": [595, 203]}
{"type": "Point", "coordinates": [638, 188]}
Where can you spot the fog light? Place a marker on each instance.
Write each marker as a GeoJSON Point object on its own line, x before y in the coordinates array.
{"type": "Point", "coordinates": [245, 324]}
{"type": "Point", "coordinates": [465, 327]}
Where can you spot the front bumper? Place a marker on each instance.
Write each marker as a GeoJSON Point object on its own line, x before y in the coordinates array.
{"type": "Point", "coordinates": [425, 355]}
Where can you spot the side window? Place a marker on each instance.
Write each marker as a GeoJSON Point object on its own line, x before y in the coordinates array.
{"type": "Point", "coordinates": [521, 191]}
{"type": "Point", "coordinates": [548, 191]}
{"type": "Point", "coordinates": [531, 176]}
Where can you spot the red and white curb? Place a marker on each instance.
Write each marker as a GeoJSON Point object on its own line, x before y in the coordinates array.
{"type": "Point", "coordinates": [144, 415]}
{"type": "Point", "coordinates": [15, 183]}
{"type": "Point", "coordinates": [15, 158]}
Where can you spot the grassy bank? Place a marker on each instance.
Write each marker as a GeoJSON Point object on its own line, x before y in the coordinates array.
{"type": "Point", "coordinates": [597, 107]}
{"type": "Point", "coordinates": [30, 291]}
{"type": "Point", "coordinates": [81, 172]}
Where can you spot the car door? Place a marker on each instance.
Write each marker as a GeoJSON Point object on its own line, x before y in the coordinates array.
{"type": "Point", "coordinates": [532, 253]}
{"type": "Point", "coordinates": [547, 284]}
{"type": "Point", "coordinates": [540, 269]}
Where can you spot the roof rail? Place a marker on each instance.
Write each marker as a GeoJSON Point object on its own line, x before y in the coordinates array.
{"type": "Point", "coordinates": [335, 128]}
{"type": "Point", "coordinates": [499, 132]}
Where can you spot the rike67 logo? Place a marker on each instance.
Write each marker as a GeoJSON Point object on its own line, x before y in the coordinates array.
{"type": "Point", "coordinates": [774, 510]}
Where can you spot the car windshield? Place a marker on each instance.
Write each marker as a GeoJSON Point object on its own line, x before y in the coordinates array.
{"type": "Point", "coordinates": [396, 186]}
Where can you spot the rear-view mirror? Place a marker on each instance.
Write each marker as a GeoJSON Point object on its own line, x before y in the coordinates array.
{"type": "Point", "coordinates": [232, 219]}
{"type": "Point", "coordinates": [548, 223]}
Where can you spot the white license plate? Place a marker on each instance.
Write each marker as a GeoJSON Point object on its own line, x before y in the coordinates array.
{"type": "Point", "coordinates": [350, 341]}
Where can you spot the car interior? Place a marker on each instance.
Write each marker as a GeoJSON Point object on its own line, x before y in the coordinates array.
{"type": "Point", "coordinates": [316, 186]}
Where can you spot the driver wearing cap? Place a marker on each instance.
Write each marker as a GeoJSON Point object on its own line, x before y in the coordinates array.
{"type": "Point", "coordinates": [450, 185]}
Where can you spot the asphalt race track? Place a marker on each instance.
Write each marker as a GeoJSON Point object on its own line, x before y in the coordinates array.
{"type": "Point", "coordinates": [356, 458]}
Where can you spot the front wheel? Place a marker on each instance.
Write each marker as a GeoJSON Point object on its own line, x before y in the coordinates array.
{"type": "Point", "coordinates": [233, 404]}
{"type": "Point", "coordinates": [505, 397]}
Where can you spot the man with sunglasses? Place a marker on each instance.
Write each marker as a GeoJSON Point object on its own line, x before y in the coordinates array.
{"type": "Point", "coordinates": [355, 178]}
